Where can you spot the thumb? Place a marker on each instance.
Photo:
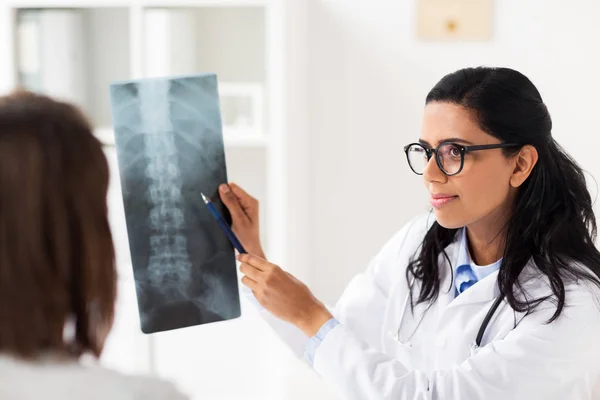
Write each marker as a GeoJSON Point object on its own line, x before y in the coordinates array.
{"type": "Point", "coordinates": [248, 203]}
{"type": "Point", "coordinates": [232, 203]}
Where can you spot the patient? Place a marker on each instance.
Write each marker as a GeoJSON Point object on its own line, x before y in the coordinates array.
{"type": "Point", "coordinates": [57, 267]}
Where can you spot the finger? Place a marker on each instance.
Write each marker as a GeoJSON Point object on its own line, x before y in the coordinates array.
{"type": "Point", "coordinates": [231, 202]}
{"type": "Point", "coordinates": [251, 272]}
{"type": "Point", "coordinates": [255, 261]}
{"type": "Point", "coordinates": [247, 202]}
{"type": "Point", "coordinates": [250, 283]}
{"type": "Point", "coordinates": [250, 260]}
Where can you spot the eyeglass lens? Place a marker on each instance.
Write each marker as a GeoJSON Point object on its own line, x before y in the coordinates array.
{"type": "Point", "coordinates": [449, 156]}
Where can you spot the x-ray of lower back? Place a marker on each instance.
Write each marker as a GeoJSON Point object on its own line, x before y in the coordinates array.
{"type": "Point", "coordinates": [169, 149]}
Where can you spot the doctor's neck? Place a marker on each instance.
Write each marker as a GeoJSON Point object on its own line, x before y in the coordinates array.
{"type": "Point", "coordinates": [486, 239]}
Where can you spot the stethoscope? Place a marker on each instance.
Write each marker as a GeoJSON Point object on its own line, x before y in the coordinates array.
{"type": "Point", "coordinates": [486, 321]}
{"type": "Point", "coordinates": [484, 324]}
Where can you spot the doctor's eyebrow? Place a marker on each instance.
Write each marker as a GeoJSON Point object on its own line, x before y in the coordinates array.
{"type": "Point", "coordinates": [451, 139]}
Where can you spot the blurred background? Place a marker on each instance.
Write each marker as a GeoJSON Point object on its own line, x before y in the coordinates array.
{"type": "Point", "coordinates": [318, 98]}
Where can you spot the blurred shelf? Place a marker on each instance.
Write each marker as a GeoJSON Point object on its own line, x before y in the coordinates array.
{"type": "Point", "coordinates": [143, 3]}
{"type": "Point", "coordinates": [25, 4]}
{"type": "Point", "coordinates": [107, 137]}
{"type": "Point", "coordinates": [245, 141]}
{"type": "Point", "coordinates": [69, 53]}
{"type": "Point", "coordinates": [205, 3]}
{"type": "Point", "coordinates": [243, 42]}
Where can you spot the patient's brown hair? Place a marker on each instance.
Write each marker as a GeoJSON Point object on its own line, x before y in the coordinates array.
{"type": "Point", "coordinates": [56, 251]}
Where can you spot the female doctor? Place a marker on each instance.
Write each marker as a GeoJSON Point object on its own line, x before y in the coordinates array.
{"type": "Point", "coordinates": [495, 295]}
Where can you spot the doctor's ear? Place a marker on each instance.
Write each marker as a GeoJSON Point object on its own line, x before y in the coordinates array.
{"type": "Point", "coordinates": [525, 160]}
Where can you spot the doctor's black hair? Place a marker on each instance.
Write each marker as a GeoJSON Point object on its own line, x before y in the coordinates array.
{"type": "Point", "coordinates": [552, 222]}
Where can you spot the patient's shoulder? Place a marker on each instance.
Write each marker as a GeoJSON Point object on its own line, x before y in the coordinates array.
{"type": "Point", "coordinates": [74, 380]}
{"type": "Point", "coordinates": [154, 389]}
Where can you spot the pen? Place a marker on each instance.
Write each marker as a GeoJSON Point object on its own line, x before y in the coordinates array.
{"type": "Point", "coordinates": [224, 225]}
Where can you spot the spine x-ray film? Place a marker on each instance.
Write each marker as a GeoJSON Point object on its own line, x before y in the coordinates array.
{"type": "Point", "coordinates": [169, 149]}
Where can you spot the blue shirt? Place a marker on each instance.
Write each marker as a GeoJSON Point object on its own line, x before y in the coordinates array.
{"type": "Point", "coordinates": [315, 341]}
{"type": "Point", "coordinates": [466, 274]}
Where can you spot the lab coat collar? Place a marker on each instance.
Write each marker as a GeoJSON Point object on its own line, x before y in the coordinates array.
{"type": "Point", "coordinates": [486, 289]}
{"type": "Point", "coordinates": [483, 291]}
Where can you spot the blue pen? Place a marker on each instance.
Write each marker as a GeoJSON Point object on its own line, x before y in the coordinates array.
{"type": "Point", "coordinates": [224, 225]}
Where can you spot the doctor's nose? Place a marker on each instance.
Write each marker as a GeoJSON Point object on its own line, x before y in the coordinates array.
{"type": "Point", "coordinates": [433, 173]}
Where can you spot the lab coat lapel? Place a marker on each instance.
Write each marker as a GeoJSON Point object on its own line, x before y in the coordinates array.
{"type": "Point", "coordinates": [483, 291]}
{"type": "Point", "coordinates": [412, 320]}
{"type": "Point", "coordinates": [446, 275]}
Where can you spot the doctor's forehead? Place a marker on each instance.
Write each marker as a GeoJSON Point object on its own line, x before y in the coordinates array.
{"type": "Point", "coordinates": [450, 121]}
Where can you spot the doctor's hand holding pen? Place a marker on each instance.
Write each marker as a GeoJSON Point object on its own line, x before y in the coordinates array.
{"type": "Point", "coordinates": [277, 291]}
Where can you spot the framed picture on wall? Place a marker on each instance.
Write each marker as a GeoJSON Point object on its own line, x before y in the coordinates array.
{"type": "Point", "coordinates": [454, 20]}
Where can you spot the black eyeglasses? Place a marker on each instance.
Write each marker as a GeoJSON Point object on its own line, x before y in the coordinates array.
{"type": "Point", "coordinates": [450, 157]}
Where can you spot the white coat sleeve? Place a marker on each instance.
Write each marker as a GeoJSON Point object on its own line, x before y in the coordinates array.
{"type": "Point", "coordinates": [534, 361]}
{"type": "Point", "coordinates": [363, 299]}
{"type": "Point", "coordinates": [293, 337]}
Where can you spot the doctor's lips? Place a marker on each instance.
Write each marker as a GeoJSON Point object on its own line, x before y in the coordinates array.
{"type": "Point", "coordinates": [440, 199]}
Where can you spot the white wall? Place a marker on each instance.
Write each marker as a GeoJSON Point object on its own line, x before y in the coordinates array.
{"type": "Point", "coordinates": [367, 80]}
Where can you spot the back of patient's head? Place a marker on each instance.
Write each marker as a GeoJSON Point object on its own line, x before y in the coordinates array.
{"type": "Point", "coordinates": [56, 254]}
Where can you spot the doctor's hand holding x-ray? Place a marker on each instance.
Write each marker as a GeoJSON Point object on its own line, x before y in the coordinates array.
{"type": "Point", "coordinates": [495, 295]}
{"type": "Point", "coordinates": [277, 291]}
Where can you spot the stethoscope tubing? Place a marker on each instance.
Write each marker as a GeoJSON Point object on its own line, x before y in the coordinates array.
{"type": "Point", "coordinates": [487, 319]}
{"type": "Point", "coordinates": [482, 328]}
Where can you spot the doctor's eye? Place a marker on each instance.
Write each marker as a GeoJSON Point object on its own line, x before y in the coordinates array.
{"type": "Point", "coordinates": [450, 151]}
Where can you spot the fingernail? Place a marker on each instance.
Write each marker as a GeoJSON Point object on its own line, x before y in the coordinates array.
{"type": "Point", "coordinates": [224, 188]}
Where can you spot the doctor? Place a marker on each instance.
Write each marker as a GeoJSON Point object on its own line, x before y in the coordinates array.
{"type": "Point", "coordinates": [495, 295]}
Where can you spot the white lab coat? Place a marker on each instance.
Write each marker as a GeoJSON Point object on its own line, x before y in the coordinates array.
{"type": "Point", "coordinates": [383, 351]}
